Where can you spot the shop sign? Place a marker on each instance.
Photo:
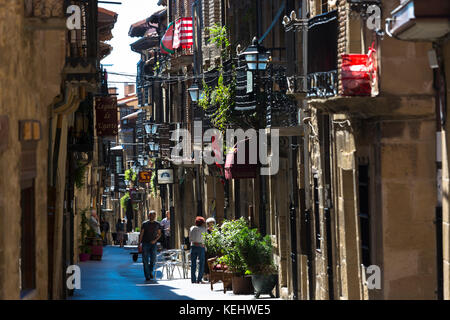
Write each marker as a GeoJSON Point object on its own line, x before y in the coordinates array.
{"type": "Point", "coordinates": [165, 176]}
{"type": "Point", "coordinates": [106, 116]}
{"type": "Point", "coordinates": [145, 176]}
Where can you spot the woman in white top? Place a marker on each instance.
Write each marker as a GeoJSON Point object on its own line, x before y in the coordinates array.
{"type": "Point", "coordinates": [197, 249]}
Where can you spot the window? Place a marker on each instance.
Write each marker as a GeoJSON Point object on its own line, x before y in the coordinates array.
{"type": "Point", "coordinates": [364, 216]}
{"type": "Point", "coordinates": [118, 164]}
{"type": "Point", "coordinates": [316, 213]}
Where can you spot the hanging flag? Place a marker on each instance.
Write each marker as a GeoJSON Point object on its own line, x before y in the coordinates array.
{"type": "Point", "coordinates": [167, 41]}
{"type": "Point", "coordinates": [183, 35]}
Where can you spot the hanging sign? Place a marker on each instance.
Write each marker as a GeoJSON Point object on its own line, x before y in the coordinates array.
{"type": "Point", "coordinates": [165, 176]}
{"type": "Point", "coordinates": [145, 176]}
{"type": "Point", "coordinates": [106, 116]}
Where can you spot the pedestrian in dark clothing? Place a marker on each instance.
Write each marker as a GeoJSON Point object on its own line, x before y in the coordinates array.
{"type": "Point", "coordinates": [129, 212]}
{"type": "Point", "coordinates": [150, 234]}
{"type": "Point", "coordinates": [104, 227]}
{"type": "Point", "coordinates": [120, 228]}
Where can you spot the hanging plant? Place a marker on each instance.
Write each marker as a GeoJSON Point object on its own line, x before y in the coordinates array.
{"type": "Point", "coordinates": [123, 200]}
{"type": "Point", "coordinates": [79, 175]}
{"type": "Point", "coordinates": [219, 36]}
{"type": "Point", "coordinates": [130, 175]}
{"type": "Point", "coordinates": [221, 98]}
{"type": "Point", "coordinates": [153, 184]}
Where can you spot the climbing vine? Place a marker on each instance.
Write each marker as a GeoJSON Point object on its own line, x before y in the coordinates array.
{"type": "Point", "coordinates": [130, 175]}
{"type": "Point", "coordinates": [153, 184]}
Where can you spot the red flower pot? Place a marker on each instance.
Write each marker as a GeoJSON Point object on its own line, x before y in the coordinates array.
{"type": "Point", "coordinates": [84, 256]}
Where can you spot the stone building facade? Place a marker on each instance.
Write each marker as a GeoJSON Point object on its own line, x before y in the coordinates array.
{"type": "Point", "coordinates": [43, 103]}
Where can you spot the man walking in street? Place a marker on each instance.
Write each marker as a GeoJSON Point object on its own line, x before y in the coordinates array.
{"type": "Point", "coordinates": [150, 233]}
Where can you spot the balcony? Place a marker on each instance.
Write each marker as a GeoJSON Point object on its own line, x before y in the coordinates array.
{"type": "Point", "coordinates": [282, 111]}
{"type": "Point", "coordinates": [45, 14]}
{"type": "Point", "coordinates": [322, 56]}
{"type": "Point", "coordinates": [82, 60]}
{"type": "Point", "coordinates": [181, 58]}
{"type": "Point", "coordinates": [420, 20]}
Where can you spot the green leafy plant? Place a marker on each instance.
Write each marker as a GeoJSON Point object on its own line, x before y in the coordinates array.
{"type": "Point", "coordinates": [156, 68]}
{"type": "Point", "coordinates": [153, 184]}
{"type": "Point", "coordinates": [232, 231]}
{"type": "Point", "coordinates": [84, 232]}
{"type": "Point", "coordinates": [214, 242]}
{"type": "Point", "coordinates": [130, 175]}
{"type": "Point", "coordinates": [256, 251]}
{"type": "Point", "coordinates": [124, 199]}
{"type": "Point", "coordinates": [79, 175]}
{"type": "Point", "coordinates": [222, 98]}
{"type": "Point", "coordinates": [219, 36]}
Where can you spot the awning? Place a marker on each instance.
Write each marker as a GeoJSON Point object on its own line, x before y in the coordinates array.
{"type": "Point", "coordinates": [106, 21]}
{"type": "Point", "coordinates": [234, 170]}
{"type": "Point", "coordinates": [132, 115]}
{"type": "Point", "coordinates": [157, 16]}
{"type": "Point", "coordinates": [117, 148]}
{"type": "Point", "coordinates": [139, 28]}
{"type": "Point", "coordinates": [146, 42]}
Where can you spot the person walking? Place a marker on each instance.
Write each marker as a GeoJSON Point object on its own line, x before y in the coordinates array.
{"type": "Point", "coordinates": [105, 230]}
{"type": "Point", "coordinates": [120, 228]}
{"type": "Point", "coordinates": [165, 225]}
{"type": "Point", "coordinates": [150, 233]}
{"type": "Point", "coordinates": [197, 249]}
{"type": "Point", "coordinates": [94, 223]}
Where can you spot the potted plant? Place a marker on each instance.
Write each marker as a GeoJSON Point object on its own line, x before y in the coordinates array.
{"type": "Point", "coordinates": [256, 252]}
{"type": "Point", "coordinates": [96, 245]}
{"type": "Point", "coordinates": [85, 250]}
{"type": "Point", "coordinates": [85, 253]}
{"type": "Point", "coordinates": [233, 232]}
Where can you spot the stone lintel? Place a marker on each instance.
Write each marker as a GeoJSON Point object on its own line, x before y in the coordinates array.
{"type": "Point", "coordinates": [381, 106]}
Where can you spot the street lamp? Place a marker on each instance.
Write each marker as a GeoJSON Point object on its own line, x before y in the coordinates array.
{"type": "Point", "coordinates": [256, 56]}
{"type": "Point", "coordinates": [195, 92]}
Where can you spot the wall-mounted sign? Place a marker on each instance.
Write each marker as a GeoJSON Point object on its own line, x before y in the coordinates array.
{"type": "Point", "coordinates": [165, 176]}
{"type": "Point", "coordinates": [145, 176]}
{"type": "Point", "coordinates": [106, 116]}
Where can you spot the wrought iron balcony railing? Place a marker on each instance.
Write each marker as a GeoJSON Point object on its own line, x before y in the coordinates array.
{"type": "Point", "coordinates": [322, 84]}
{"type": "Point", "coordinates": [322, 55]}
{"type": "Point", "coordinates": [82, 61]}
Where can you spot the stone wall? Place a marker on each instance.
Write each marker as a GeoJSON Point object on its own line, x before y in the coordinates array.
{"type": "Point", "coordinates": [29, 80]}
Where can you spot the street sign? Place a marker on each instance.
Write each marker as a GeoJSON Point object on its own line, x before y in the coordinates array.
{"type": "Point", "coordinates": [145, 176]}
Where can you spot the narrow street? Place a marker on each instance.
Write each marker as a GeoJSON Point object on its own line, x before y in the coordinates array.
{"type": "Point", "coordinates": [300, 147]}
{"type": "Point", "coordinates": [117, 277]}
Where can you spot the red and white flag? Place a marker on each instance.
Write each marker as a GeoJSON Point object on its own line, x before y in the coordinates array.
{"type": "Point", "coordinates": [183, 35]}
{"type": "Point", "coordinates": [167, 40]}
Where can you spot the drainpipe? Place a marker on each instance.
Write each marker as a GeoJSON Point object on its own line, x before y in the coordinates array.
{"type": "Point", "coordinates": [441, 114]}
{"type": "Point", "coordinates": [293, 212]}
{"type": "Point", "coordinates": [306, 129]}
